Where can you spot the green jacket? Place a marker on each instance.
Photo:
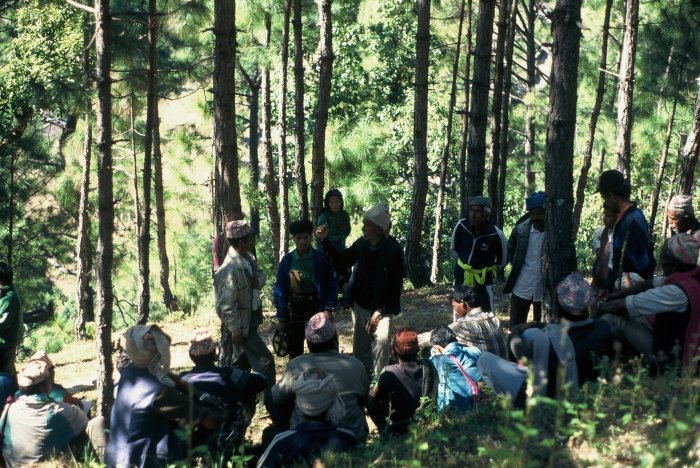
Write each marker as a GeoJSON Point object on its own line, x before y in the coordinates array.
{"type": "Point", "coordinates": [11, 319]}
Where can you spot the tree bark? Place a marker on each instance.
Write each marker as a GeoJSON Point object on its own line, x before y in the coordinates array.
{"type": "Point", "coordinates": [254, 82]}
{"type": "Point", "coordinates": [282, 125]}
{"type": "Point", "coordinates": [689, 154]}
{"type": "Point", "coordinates": [105, 253]}
{"type": "Point", "coordinates": [625, 112]}
{"type": "Point", "coordinates": [465, 118]}
{"type": "Point", "coordinates": [595, 113]}
{"type": "Point", "coordinates": [416, 269]}
{"type": "Point", "coordinates": [476, 150]}
{"type": "Point", "coordinates": [299, 149]}
{"type": "Point", "coordinates": [273, 218]}
{"type": "Point", "coordinates": [560, 258]}
{"type": "Point", "coordinates": [497, 106]}
{"type": "Point", "coordinates": [12, 209]}
{"type": "Point", "coordinates": [662, 168]}
{"type": "Point", "coordinates": [439, 206]}
{"type": "Point", "coordinates": [529, 146]}
{"type": "Point", "coordinates": [83, 250]}
{"type": "Point", "coordinates": [505, 125]}
{"type": "Point", "coordinates": [318, 151]}
{"type": "Point", "coordinates": [227, 196]}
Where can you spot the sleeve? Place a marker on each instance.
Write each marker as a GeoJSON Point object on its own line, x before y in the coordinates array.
{"type": "Point", "coordinates": [424, 339]}
{"type": "Point", "coordinates": [637, 254]}
{"type": "Point", "coordinates": [257, 273]}
{"type": "Point", "coordinates": [6, 310]}
{"type": "Point", "coordinates": [282, 390]}
{"type": "Point", "coordinates": [77, 420]}
{"type": "Point", "coordinates": [227, 301]}
{"type": "Point", "coordinates": [669, 298]}
{"type": "Point", "coordinates": [216, 262]}
{"type": "Point", "coordinates": [454, 241]}
{"type": "Point", "coordinates": [342, 259]}
{"type": "Point", "coordinates": [327, 282]}
{"type": "Point", "coordinates": [280, 290]}
{"type": "Point", "coordinates": [501, 251]}
{"type": "Point", "coordinates": [397, 273]}
{"type": "Point", "coordinates": [512, 244]}
{"type": "Point", "coordinates": [173, 405]}
{"type": "Point", "coordinates": [346, 221]}
{"type": "Point", "coordinates": [322, 219]}
{"type": "Point", "coordinates": [378, 405]}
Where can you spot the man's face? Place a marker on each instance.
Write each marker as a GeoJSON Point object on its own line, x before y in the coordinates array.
{"type": "Point", "coordinates": [477, 216]}
{"type": "Point", "coordinates": [679, 221]}
{"type": "Point", "coordinates": [537, 217]}
{"type": "Point", "coordinates": [609, 218]}
{"type": "Point", "coordinates": [459, 308]}
{"type": "Point", "coordinates": [371, 232]}
{"type": "Point", "coordinates": [302, 242]}
{"type": "Point", "coordinates": [249, 244]}
{"type": "Point", "coordinates": [613, 201]}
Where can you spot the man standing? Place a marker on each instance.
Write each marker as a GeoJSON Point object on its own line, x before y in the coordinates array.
{"type": "Point", "coordinates": [237, 284]}
{"type": "Point", "coordinates": [480, 249]}
{"type": "Point", "coordinates": [374, 288]}
{"type": "Point", "coordinates": [11, 320]}
{"type": "Point", "coordinates": [681, 216]}
{"type": "Point", "coordinates": [632, 248]}
{"type": "Point", "coordinates": [526, 283]}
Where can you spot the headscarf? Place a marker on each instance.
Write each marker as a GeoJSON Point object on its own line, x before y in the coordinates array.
{"type": "Point", "coordinates": [379, 215]}
{"type": "Point", "coordinates": [315, 393]}
{"type": "Point", "coordinates": [149, 348]}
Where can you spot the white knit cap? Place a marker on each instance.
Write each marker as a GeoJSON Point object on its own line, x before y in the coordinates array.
{"type": "Point", "coordinates": [379, 215]}
{"type": "Point", "coordinates": [315, 393]}
{"type": "Point", "coordinates": [681, 204]}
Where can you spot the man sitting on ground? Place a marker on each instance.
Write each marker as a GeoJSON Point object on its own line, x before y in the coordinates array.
{"type": "Point", "coordinates": [570, 347]}
{"type": "Point", "coordinates": [234, 386]}
{"type": "Point", "coordinates": [400, 386]}
{"type": "Point", "coordinates": [318, 401]}
{"type": "Point", "coordinates": [58, 392]}
{"type": "Point", "coordinates": [473, 326]}
{"type": "Point", "coordinates": [35, 427]}
{"type": "Point", "coordinates": [681, 216]}
{"type": "Point", "coordinates": [348, 373]}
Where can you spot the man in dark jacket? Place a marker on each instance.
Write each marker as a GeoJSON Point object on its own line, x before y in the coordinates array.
{"type": "Point", "coordinates": [374, 289]}
{"type": "Point", "coordinates": [479, 248]}
{"type": "Point", "coordinates": [526, 283]}
{"type": "Point", "coordinates": [305, 285]}
{"type": "Point", "coordinates": [11, 320]}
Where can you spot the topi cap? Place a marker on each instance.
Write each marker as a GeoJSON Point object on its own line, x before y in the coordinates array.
{"type": "Point", "coordinates": [480, 201]}
{"type": "Point", "coordinates": [202, 343]}
{"type": "Point", "coordinates": [681, 204]}
{"type": "Point", "coordinates": [535, 201]}
{"type": "Point", "coordinates": [40, 355]}
{"type": "Point", "coordinates": [379, 215]}
{"type": "Point", "coordinates": [320, 329]}
{"type": "Point", "coordinates": [32, 373]}
{"type": "Point", "coordinates": [237, 229]}
{"type": "Point", "coordinates": [684, 248]}
{"type": "Point", "coordinates": [574, 294]}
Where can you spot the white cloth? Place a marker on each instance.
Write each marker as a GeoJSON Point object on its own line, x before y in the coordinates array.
{"type": "Point", "coordinates": [530, 282]}
{"type": "Point", "coordinates": [668, 298]}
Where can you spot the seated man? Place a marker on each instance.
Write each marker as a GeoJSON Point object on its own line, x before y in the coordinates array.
{"type": "Point", "coordinates": [348, 373]}
{"type": "Point", "coordinates": [236, 387]}
{"type": "Point", "coordinates": [473, 326]}
{"type": "Point", "coordinates": [456, 371]}
{"type": "Point", "coordinates": [318, 401]}
{"type": "Point", "coordinates": [570, 347]}
{"type": "Point", "coordinates": [675, 303]}
{"type": "Point", "coordinates": [58, 392]}
{"type": "Point", "coordinates": [400, 386]}
{"type": "Point", "coordinates": [35, 427]}
{"type": "Point", "coordinates": [148, 407]}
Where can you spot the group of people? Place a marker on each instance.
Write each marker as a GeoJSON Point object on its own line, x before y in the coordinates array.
{"type": "Point", "coordinates": [322, 400]}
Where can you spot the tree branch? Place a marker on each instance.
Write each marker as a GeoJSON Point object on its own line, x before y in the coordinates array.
{"type": "Point", "coordinates": [80, 6]}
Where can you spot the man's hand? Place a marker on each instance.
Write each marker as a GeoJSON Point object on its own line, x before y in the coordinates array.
{"type": "Point", "coordinates": [322, 231]}
{"type": "Point", "coordinates": [237, 339]}
{"type": "Point", "coordinates": [373, 322]}
{"type": "Point", "coordinates": [282, 326]}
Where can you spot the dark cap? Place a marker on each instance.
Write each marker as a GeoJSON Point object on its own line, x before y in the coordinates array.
{"type": "Point", "coordinates": [614, 182]}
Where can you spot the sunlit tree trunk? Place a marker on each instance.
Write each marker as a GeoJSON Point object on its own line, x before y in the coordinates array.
{"type": "Point", "coordinates": [416, 269]}
{"type": "Point", "coordinates": [318, 151]}
{"type": "Point", "coordinates": [689, 154]}
{"type": "Point", "coordinates": [254, 82]}
{"type": "Point", "coordinates": [105, 210]}
{"type": "Point", "coordinates": [662, 168]}
{"type": "Point", "coordinates": [595, 113]}
{"type": "Point", "coordinates": [465, 118]}
{"type": "Point", "coordinates": [625, 112]}
{"type": "Point", "coordinates": [439, 206]}
{"type": "Point", "coordinates": [299, 121]}
{"type": "Point", "coordinates": [476, 149]}
{"type": "Point", "coordinates": [282, 125]}
{"type": "Point", "coordinates": [559, 253]}
{"type": "Point", "coordinates": [83, 251]}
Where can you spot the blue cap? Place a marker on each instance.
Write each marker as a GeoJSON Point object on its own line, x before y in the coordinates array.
{"type": "Point", "coordinates": [535, 201]}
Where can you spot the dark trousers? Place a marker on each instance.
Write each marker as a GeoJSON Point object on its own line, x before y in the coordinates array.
{"type": "Point", "coordinates": [300, 311]}
{"type": "Point", "coordinates": [483, 299]}
{"type": "Point", "coordinates": [519, 309]}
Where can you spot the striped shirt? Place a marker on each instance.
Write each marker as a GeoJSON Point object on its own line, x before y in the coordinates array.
{"type": "Point", "coordinates": [481, 330]}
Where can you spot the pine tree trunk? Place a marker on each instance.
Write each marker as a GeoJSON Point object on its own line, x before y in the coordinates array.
{"type": "Point", "coordinates": [105, 253]}
{"type": "Point", "coordinates": [227, 196]}
{"type": "Point", "coordinates": [168, 299]}
{"type": "Point", "coordinates": [273, 218]}
{"type": "Point", "coordinates": [595, 113]}
{"type": "Point", "coordinates": [689, 154]}
{"type": "Point", "coordinates": [145, 234]}
{"type": "Point", "coordinates": [560, 258]}
{"type": "Point", "coordinates": [625, 112]}
{"type": "Point", "coordinates": [415, 266]}
{"type": "Point", "coordinates": [476, 150]}
{"type": "Point", "coordinates": [83, 251]}
{"type": "Point", "coordinates": [439, 206]}
{"type": "Point", "coordinates": [318, 151]}
{"type": "Point", "coordinates": [12, 209]}
{"type": "Point", "coordinates": [282, 125]}
{"type": "Point", "coordinates": [497, 106]}
{"type": "Point", "coordinates": [662, 168]}
{"type": "Point", "coordinates": [529, 146]}
{"type": "Point", "coordinates": [465, 118]}
{"type": "Point", "coordinates": [505, 125]}
{"type": "Point", "coordinates": [254, 83]}
{"type": "Point", "coordinates": [299, 149]}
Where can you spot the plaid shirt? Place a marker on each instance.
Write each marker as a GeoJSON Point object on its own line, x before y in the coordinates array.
{"type": "Point", "coordinates": [481, 330]}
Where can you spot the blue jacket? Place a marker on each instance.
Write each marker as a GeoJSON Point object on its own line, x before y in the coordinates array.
{"type": "Point", "coordinates": [324, 279]}
{"type": "Point", "coordinates": [639, 251]}
{"type": "Point", "coordinates": [488, 248]}
{"type": "Point", "coordinates": [454, 391]}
